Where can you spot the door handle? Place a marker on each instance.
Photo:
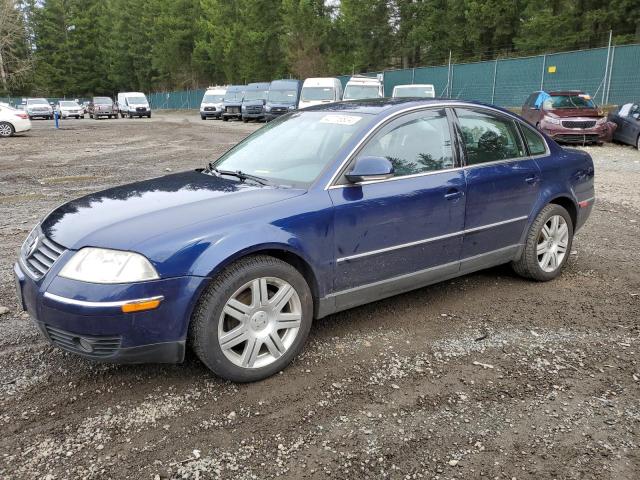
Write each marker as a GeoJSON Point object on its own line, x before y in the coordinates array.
{"type": "Point", "coordinates": [452, 194]}
{"type": "Point", "coordinates": [532, 179]}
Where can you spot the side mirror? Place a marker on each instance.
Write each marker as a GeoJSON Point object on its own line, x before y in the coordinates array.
{"type": "Point", "coordinates": [370, 168]}
{"type": "Point", "coordinates": [264, 102]}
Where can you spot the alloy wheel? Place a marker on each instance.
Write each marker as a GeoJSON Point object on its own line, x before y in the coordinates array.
{"type": "Point", "coordinates": [5, 130]}
{"type": "Point", "coordinates": [553, 240]}
{"type": "Point", "coordinates": [260, 322]}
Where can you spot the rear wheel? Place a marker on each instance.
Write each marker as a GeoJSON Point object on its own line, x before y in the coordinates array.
{"type": "Point", "coordinates": [547, 245]}
{"type": "Point", "coordinates": [638, 142]}
{"type": "Point", "coordinates": [252, 320]}
{"type": "Point", "coordinates": [6, 129]}
{"type": "Point", "coordinates": [225, 119]}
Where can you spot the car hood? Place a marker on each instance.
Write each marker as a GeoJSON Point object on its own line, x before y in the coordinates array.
{"type": "Point", "coordinates": [125, 216]}
{"type": "Point", "coordinates": [574, 112]}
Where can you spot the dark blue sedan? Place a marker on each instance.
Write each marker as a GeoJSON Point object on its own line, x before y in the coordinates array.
{"type": "Point", "coordinates": [322, 210]}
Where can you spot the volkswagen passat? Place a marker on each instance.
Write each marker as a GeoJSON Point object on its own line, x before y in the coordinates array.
{"type": "Point", "coordinates": [319, 211]}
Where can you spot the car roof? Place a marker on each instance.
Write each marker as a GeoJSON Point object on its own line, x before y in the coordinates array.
{"type": "Point", "coordinates": [377, 106]}
{"type": "Point", "coordinates": [258, 85]}
{"type": "Point", "coordinates": [567, 92]}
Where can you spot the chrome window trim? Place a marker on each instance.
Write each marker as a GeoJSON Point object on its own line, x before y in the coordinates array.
{"type": "Point", "coordinates": [374, 129]}
{"type": "Point", "coordinates": [431, 239]}
{"type": "Point", "coordinates": [88, 304]}
{"type": "Point", "coordinates": [392, 179]}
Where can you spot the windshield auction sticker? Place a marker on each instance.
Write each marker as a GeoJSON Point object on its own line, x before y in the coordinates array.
{"type": "Point", "coordinates": [340, 119]}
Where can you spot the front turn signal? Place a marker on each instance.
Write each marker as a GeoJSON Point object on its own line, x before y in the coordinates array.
{"type": "Point", "coordinates": [142, 305]}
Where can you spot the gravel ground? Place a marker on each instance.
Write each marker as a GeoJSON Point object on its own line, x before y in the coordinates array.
{"type": "Point", "coordinates": [484, 376]}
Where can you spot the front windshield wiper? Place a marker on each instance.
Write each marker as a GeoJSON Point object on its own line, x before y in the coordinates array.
{"type": "Point", "coordinates": [238, 174]}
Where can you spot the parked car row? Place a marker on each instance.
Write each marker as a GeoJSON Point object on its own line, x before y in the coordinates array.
{"type": "Point", "coordinates": [128, 104]}
{"type": "Point", "coordinates": [264, 101]}
{"type": "Point", "coordinates": [572, 116]}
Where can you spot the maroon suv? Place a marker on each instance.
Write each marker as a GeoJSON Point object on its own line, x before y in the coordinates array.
{"type": "Point", "coordinates": [568, 117]}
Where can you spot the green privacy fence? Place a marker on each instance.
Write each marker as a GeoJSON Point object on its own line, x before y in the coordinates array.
{"type": "Point", "coordinates": [183, 99]}
{"type": "Point", "coordinates": [610, 75]}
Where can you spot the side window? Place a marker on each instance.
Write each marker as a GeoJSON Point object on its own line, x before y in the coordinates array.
{"type": "Point", "coordinates": [416, 144]}
{"type": "Point", "coordinates": [488, 138]}
{"type": "Point", "coordinates": [534, 141]}
{"type": "Point", "coordinates": [531, 100]}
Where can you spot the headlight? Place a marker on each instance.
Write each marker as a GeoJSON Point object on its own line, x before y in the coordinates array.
{"type": "Point", "coordinates": [267, 108]}
{"type": "Point", "coordinates": [555, 121]}
{"type": "Point", "coordinates": [244, 108]}
{"type": "Point", "coordinates": [100, 265]}
{"type": "Point", "coordinates": [292, 107]}
{"type": "Point", "coordinates": [601, 121]}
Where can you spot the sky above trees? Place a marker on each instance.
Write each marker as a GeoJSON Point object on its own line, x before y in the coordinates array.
{"type": "Point", "coordinates": [83, 47]}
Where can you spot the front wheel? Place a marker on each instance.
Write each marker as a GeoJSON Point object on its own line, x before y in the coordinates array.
{"type": "Point", "coordinates": [6, 129]}
{"type": "Point", "coordinates": [252, 320]}
{"type": "Point", "coordinates": [547, 246]}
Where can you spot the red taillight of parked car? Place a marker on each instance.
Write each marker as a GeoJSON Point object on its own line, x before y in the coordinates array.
{"type": "Point", "coordinates": [23, 116]}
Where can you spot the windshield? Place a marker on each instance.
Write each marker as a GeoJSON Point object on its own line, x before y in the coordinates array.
{"type": "Point", "coordinates": [317, 93]}
{"type": "Point", "coordinates": [102, 100]}
{"type": "Point", "coordinates": [233, 96]}
{"type": "Point", "coordinates": [422, 92]}
{"type": "Point", "coordinates": [568, 101]}
{"type": "Point", "coordinates": [37, 101]}
{"type": "Point", "coordinates": [283, 96]}
{"type": "Point", "coordinates": [137, 100]}
{"type": "Point", "coordinates": [256, 94]}
{"type": "Point", "coordinates": [358, 92]}
{"type": "Point", "coordinates": [69, 104]}
{"type": "Point", "coordinates": [212, 98]}
{"type": "Point", "coordinates": [293, 150]}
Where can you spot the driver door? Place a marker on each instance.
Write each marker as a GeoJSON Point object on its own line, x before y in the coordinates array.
{"type": "Point", "coordinates": [400, 233]}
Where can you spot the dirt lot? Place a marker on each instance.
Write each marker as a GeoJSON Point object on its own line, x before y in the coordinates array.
{"type": "Point", "coordinates": [484, 376]}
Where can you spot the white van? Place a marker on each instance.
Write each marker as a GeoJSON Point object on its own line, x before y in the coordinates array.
{"type": "Point", "coordinates": [320, 90]}
{"type": "Point", "coordinates": [418, 90]}
{"type": "Point", "coordinates": [211, 105]}
{"type": "Point", "coordinates": [360, 87]}
{"type": "Point", "coordinates": [133, 104]}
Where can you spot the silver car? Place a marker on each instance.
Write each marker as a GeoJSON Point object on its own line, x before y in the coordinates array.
{"type": "Point", "coordinates": [39, 108]}
{"type": "Point", "coordinates": [69, 108]}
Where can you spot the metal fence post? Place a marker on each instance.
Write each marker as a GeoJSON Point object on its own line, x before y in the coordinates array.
{"type": "Point", "coordinates": [449, 77]}
{"type": "Point", "coordinates": [613, 59]}
{"type": "Point", "coordinates": [544, 66]}
{"type": "Point", "coordinates": [493, 88]}
{"type": "Point", "coordinates": [606, 67]}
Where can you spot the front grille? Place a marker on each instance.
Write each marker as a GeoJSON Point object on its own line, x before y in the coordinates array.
{"type": "Point", "coordinates": [87, 345]}
{"type": "Point", "coordinates": [209, 109]}
{"type": "Point", "coordinates": [141, 109]}
{"type": "Point", "coordinates": [576, 139]}
{"type": "Point", "coordinates": [254, 108]}
{"type": "Point", "coordinates": [278, 110]}
{"type": "Point", "coordinates": [232, 109]}
{"type": "Point", "coordinates": [578, 123]}
{"type": "Point", "coordinates": [39, 253]}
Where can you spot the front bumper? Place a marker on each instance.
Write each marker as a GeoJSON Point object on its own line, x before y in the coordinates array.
{"type": "Point", "coordinates": [253, 115]}
{"type": "Point", "coordinates": [209, 113]}
{"type": "Point", "coordinates": [87, 319]}
{"type": "Point", "coordinates": [579, 136]}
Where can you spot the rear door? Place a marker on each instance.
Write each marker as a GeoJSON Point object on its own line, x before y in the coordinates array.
{"type": "Point", "coordinates": [503, 183]}
{"type": "Point", "coordinates": [412, 222]}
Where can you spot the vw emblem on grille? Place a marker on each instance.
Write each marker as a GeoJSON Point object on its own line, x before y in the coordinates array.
{"type": "Point", "coordinates": [33, 247]}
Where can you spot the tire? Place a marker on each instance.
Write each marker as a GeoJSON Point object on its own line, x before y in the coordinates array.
{"type": "Point", "coordinates": [225, 119]}
{"type": "Point", "coordinates": [6, 129]}
{"type": "Point", "coordinates": [638, 142]}
{"type": "Point", "coordinates": [259, 354]}
{"type": "Point", "coordinates": [202, 117]}
{"type": "Point", "coordinates": [546, 251]}
{"type": "Point", "coordinates": [149, 116]}
{"type": "Point", "coordinates": [245, 120]}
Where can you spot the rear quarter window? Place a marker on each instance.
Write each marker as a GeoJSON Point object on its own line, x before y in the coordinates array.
{"type": "Point", "coordinates": [534, 140]}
